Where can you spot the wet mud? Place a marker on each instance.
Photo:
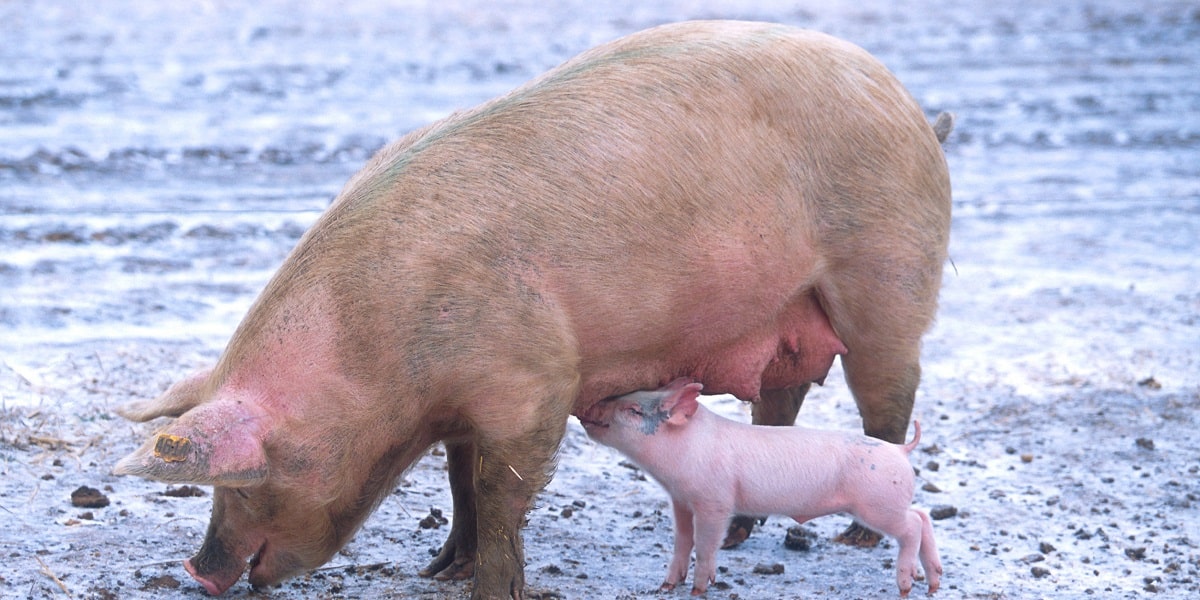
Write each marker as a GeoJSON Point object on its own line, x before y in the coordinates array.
{"type": "Point", "coordinates": [159, 160]}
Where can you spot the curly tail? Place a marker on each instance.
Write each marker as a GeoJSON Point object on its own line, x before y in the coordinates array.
{"type": "Point", "coordinates": [909, 447]}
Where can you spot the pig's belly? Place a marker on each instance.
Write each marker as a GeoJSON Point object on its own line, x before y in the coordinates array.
{"type": "Point", "coordinates": [795, 348]}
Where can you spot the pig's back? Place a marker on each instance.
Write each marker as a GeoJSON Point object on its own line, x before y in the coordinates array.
{"type": "Point", "coordinates": [665, 193]}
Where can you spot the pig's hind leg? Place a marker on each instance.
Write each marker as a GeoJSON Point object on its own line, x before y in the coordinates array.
{"type": "Point", "coordinates": [907, 526]}
{"type": "Point", "coordinates": [930, 560]}
{"type": "Point", "coordinates": [882, 364]}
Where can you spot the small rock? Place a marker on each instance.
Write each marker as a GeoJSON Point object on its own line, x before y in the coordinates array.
{"type": "Point", "coordinates": [1152, 583]}
{"type": "Point", "coordinates": [933, 489]}
{"type": "Point", "coordinates": [1033, 558]}
{"type": "Point", "coordinates": [86, 497]}
{"type": "Point", "coordinates": [1145, 443]}
{"type": "Point", "coordinates": [932, 465]}
{"type": "Point", "coordinates": [1150, 383]}
{"type": "Point", "coordinates": [799, 539]}
{"type": "Point", "coordinates": [943, 511]}
{"type": "Point", "coordinates": [1046, 547]}
{"type": "Point", "coordinates": [1039, 572]}
{"type": "Point", "coordinates": [1026, 458]}
{"type": "Point", "coordinates": [765, 569]}
{"type": "Point", "coordinates": [1136, 553]}
{"type": "Point", "coordinates": [567, 511]}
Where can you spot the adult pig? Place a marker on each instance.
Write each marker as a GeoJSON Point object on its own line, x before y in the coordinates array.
{"type": "Point", "coordinates": [712, 466]}
{"type": "Point", "coordinates": [732, 202]}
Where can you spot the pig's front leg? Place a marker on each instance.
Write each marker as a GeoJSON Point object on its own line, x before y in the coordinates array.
{"type": "Point", "coordinates": [509, 471]}
{"type": "Point", "coordinates": [681, 560]}
{"type": "Point", "coordinates": [457, 558]}
{"type": "Point", "coordinates": [710, 530]}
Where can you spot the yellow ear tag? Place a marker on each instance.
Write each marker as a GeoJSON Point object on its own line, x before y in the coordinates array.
{"type": "Point", "coordinates": [172, 448]}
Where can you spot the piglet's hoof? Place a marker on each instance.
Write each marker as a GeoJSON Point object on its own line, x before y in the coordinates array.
{"type": "Point", "coordinates": [858, 536]}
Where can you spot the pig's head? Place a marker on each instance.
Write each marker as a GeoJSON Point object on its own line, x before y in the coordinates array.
{"type": "Point", "coordinates": [274, 505]}
{"type": "Point", "coordinates": [627, 422]}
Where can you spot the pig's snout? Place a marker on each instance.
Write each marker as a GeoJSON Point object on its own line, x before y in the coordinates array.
{"type": "Point", "coordinates": [218, 565]}
{"type": "Point", "coordinates": [214, 582]}
{"type": "Point", "coordinates": [218, 573]}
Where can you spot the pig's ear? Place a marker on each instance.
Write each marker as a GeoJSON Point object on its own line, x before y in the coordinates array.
{"type": "Point", "coordinates": [217, 443]}
{"type": "Point", "coordinates": [185, 395]}
{"type": "Point", "coordinates": [683, 403]}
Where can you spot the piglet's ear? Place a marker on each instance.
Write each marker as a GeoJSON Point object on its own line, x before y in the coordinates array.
{"type": "Point", "coordinates": [217, 443]}
{"type": "Point", "coordinates": [683, 402]}
{"type": "Point", "coordinates": [178, 399]}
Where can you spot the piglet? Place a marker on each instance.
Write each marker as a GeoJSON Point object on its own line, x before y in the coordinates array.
{"type": "Point", "coordinates": [714, 467]}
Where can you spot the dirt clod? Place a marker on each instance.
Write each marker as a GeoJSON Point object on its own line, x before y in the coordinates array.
{"type": "Point", "coordinates": [1039, 572]}
{"type": "Point", "coordinates": [434, 519]}
{"type": "Point", "coordinates": [184, 491]}
{"type": "Point", "coordinates": [768, 569]}
{"type": "Point", "coordinates": [799, 539]}
{"type": "Point", "coordinates": [162, 582]}
{"type": "Point", "coordinates": [86, 497]}
{"type": "Point", "coordinates": [943, 511]}
{"type": "Point", "coordinates": [1145, 443]}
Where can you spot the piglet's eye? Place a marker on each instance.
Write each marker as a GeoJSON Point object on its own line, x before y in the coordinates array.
{"type": "Point", "coordinates": [633, 410]}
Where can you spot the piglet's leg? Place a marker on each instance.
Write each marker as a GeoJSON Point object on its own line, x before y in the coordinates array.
{"type": "Point", "coordinates": [457, 558]}
{"type": "Point", "coordinates": [908, 535]}
{"type": "Point", "coordinates": [930, 560]}
{"type": "Point", "coordinates": [710, 530]}
{"type": "Point", "coordinates": [684, 537]}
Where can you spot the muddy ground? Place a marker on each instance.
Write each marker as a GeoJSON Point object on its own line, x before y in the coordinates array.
{"type": "Point", "coordinates": [158, 160]}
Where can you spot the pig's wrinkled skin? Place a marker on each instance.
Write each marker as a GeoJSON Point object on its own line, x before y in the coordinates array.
{"type": "Point", "coordinates": [712, 466]}
{"type": "Point", "coordinates": [707, 199]}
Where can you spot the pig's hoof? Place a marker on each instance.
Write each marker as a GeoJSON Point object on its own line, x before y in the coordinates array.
{"type": "Point", "coordinates": [859, 536]}
{"type": "Point", "coordinates": [447, 568]}
{"type": "Point", "coordinates": [739, 529]}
